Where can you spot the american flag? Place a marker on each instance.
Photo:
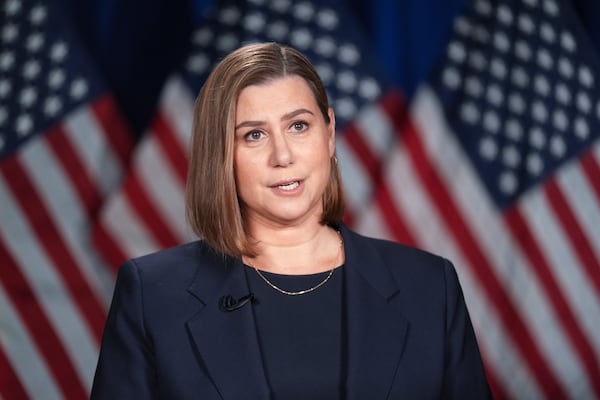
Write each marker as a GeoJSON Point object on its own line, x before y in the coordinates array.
{"type": "Point", "coordinates": [497, 166]}
{"type": "Point", "coordinates": [62, 149]}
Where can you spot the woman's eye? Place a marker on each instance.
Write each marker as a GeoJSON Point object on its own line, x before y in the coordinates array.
{"type": "Point", "coordinates": [253, 136]}
{"type": "Point", "coordinates": [299, 126]}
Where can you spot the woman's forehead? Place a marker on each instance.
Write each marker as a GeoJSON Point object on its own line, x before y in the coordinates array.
{"type": "Point", "coordinates": [277, 95]}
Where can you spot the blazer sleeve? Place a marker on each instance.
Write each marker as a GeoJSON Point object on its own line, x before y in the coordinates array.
{"type": "Point", "coordinates": [125, 367]}
{"type": "Point", "coordinates": [464, 374]}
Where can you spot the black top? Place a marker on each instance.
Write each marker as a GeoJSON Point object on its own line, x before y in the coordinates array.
{"type": "Point", "coordinates": [302, 352]}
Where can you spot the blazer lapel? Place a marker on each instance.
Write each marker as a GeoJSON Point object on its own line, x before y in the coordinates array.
{"type": "Point", "coordinates": [376, 329]}
{"type": "Point", "coordinates": [227, 340]}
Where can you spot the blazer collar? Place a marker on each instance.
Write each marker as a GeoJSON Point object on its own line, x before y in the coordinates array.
{"type": "Point", "coordinates": [376, 329]}
{"type": "Point", "coordinates": [366, 261]}
{"type": "Point", "coordinates": [228, 342]}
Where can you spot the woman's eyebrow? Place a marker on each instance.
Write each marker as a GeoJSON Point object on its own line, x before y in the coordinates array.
{"type": "Point", "coordinates": [295, 113]}
{"type": "Point", "coordinates": [285, 117]}
{"type": "Point", "coordinates": [248, 124]}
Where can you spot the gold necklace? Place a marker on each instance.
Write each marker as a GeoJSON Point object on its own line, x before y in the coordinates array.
{"type": "Point", "coordinates": [299, 292]}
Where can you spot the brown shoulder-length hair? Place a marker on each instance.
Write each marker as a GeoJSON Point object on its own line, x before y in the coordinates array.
{"type": "Point", "coordinates": [212, 204]}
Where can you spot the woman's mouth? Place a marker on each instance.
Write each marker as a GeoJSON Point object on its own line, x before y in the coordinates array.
{"type": "Point", "coordinates": [289, 186]}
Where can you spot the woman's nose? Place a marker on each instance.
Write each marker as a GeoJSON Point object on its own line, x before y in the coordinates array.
{"type": "Point", "coordinates": [282, 153]}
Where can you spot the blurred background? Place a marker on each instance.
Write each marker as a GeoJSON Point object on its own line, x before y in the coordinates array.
{"type": "Point", "coordinates": [465, 127]}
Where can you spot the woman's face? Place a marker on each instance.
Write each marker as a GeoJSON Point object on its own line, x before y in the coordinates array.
{"type": "Point", "coordinates": [283, 148]}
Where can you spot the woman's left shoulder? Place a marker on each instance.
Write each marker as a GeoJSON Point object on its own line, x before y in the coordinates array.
{"type": "Point", "coordinates": [406, 251]}
{"type": "Point", "coordinates": [402, 258]}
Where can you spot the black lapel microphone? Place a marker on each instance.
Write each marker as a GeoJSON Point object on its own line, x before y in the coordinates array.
{"type": "Point", "coordinates": [229, 303]}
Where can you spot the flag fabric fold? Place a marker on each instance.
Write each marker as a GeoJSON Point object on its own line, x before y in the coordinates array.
{"type": "Point", "coordinates": [63, 147]}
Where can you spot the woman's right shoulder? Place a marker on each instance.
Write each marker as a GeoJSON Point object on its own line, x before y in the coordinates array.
{"type": "Point", "coordinates": [178, 261]}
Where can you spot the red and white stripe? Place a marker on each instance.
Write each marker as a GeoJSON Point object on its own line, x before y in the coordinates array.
{"type": "Point", "coordinates": [148, 213]}
{"type": "Point", "coordinates": [362, 149]}
{"type": "Point", "coordinates": [52, 278]}
{"type": "Point", "coordinates": [21, 379]}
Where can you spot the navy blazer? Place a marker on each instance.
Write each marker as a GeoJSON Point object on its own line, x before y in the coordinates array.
{"type": "Point", "coordinates": [409, 335]}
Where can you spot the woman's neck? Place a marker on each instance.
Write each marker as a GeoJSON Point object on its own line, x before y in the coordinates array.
{"type": "Point", "coordinates": [297, 250]}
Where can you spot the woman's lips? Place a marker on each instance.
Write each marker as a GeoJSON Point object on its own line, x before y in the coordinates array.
{"type": "Point", "coordinates": [288, 186]}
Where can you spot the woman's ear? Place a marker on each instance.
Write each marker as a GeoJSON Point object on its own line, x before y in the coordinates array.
{"type": "Point", "coordinates": [331, 131]}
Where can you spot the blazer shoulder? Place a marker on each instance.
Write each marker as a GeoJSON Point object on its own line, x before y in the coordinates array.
{"type": "Point", "coordinates": [406, 250]}
{"type": "Point", "coordinates": [177, 254]}
{"type": "Point", "coordinates": [388, 265]}
{"type": "Point", "coordinates": [398, 254]}
{"type": "Point", "coordinates": [176, 263]}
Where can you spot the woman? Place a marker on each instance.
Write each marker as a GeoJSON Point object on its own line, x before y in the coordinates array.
{"type": "Point", "coordinates": [280, 300]}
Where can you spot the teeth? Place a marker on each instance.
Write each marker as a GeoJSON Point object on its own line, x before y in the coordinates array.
{"type": "Point", "coordinates": [289, 186]}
